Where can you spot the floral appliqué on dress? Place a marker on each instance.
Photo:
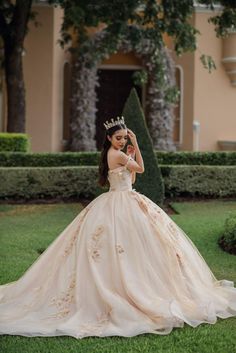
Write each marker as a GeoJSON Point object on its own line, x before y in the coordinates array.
{"type": "Point", "coordinates": [71, 243]}
{"type": "Point", "coordinates": [64, 300]}
{"type": "Point", "coordinates": [119, 249]}
{"type": "Point", "coordinates": [96, 327]}
{"type": "Point", "coordinates": [153, 213]}
{"type": "Point", "coordinates": [95, 243]}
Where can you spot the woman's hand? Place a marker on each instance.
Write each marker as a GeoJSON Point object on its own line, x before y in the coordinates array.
{"type": "Point", "coordinates": [131, 151]}
{"type": "Point", "coordinates": [132, 137]}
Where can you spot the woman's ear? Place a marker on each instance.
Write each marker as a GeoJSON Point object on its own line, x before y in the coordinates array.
{"type": "Point", "coordinates": [108, 137]}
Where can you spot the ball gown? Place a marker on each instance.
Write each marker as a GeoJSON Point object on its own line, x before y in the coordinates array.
{"type": "Point", "coordinates": [122, 267]}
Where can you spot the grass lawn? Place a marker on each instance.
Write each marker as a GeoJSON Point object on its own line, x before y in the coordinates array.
{"type": "Point", "coordinates": [25, 230]}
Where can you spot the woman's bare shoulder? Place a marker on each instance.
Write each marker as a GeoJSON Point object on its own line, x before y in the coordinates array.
{"type": "Point", "coordinates": [116, 159]}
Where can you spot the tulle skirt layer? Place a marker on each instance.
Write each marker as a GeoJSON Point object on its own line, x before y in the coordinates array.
{"type": "Point", "coordinates": [121, 267]}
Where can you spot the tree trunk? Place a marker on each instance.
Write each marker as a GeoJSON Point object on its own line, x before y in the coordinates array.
{"type": "Point", "coordinates": [15, 88]}
{"type": "Point", "coordinates": [160, 116]}
{"type": "Point", "coordinates": [83, 107]}
{"type": "Point", "coordinates": [13, 34]}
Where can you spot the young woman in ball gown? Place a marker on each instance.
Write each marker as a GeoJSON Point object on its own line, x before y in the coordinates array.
{"type": "Point", "coordinates": [122, 267]}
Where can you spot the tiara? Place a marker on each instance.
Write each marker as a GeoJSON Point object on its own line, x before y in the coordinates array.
{"type": "Point", "coordinates": [114, 122]}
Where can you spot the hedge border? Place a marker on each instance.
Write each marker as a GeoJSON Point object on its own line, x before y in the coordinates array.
{"type": "Point", "coordinates": [14, 142]}
{"type": "Point", "coordinates": [67, 182]}
{"type": "Point", "coordinates": [18, 159]}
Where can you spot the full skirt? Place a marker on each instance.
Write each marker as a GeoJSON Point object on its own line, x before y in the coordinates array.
{"type": "Point", "coordinates": [122, 267]}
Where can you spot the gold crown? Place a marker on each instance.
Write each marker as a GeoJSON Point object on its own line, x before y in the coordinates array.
{"type": "Point", "coordinates": [113, 122]}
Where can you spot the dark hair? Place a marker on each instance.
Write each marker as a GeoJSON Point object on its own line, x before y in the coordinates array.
{"type": "Point", "coordinates": [103, 165]}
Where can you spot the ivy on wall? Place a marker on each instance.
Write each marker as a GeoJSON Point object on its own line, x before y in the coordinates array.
{"type": "Point", "coordinates": [161, 93]}
{"type": "Point", "coordinates": [138, 26]}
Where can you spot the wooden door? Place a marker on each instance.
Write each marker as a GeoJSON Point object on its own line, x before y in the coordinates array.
{"type": "Point", "coordinates": [112, 93]}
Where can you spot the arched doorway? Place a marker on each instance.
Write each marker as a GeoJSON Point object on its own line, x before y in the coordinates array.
{"type": "Point", "coordinates": [115, 83]}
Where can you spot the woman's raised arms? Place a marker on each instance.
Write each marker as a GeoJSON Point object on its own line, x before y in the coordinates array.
{"type": "Point", "coordinates": [131, 164]}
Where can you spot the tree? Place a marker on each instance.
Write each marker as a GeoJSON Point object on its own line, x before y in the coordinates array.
{"type": "Point", "coordinates": [148, 19]}
{"type": "Point", "coordinates": [141, 20]}
{"type": "Point", "coordinates": [14, 18]}
{"type": "Point", "coordinates": [150, 183]}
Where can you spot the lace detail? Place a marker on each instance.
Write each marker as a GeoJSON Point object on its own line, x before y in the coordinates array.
{"type": "Point", "coordinates": [72, 240]}
{"type": "Point", "coordinates": [64, 300]}
{"type": "Point", "coordinates": [129, 159]}
{"type": "Point", "coordinates": [146, 205]}
{"type": "Point", "coordinates": [96, 327]}
{"type": "Point", "coordinates": [122, 167]}
{"type": "Point", "coordinates": [153, 213]}
{"type": "Point", "coordinates": [95, 243]}
{"type": "Point", "coordinates": [119, 249]}
{"type": "Point", "coordinates": [143, 205]}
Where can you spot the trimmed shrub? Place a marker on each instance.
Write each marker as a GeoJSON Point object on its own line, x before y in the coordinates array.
{"type": "Point", "coordinates": [197, 158]}
{"type": "Point", "coordinates": [14, 142]}
{"type": "Point", "coordinates": [211, 181]}
{"type": "Point", "coordinates": [63, 182]}
{"type": "Point", "coordinates": [134, 118]}
{"type": "Point", "coordinates": [60, 159]}
{"type": "Point", "coordinates": [228, 240]}
{"type": "Point", "coordinates": [18, 159]}
{"type": "Point", "coordinates": [67, 182]}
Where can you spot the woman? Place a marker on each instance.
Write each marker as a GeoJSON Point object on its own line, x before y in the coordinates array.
{"type": "Point", "coordinates": [121, 267]}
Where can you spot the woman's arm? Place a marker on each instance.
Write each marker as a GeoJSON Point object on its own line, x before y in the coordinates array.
{"type": "Point", "coordinates": [133, 177]}
{"type": "Point", "coordinates": [131, 152]}
{"type": "Point", "coordinates": [134, 166]}
{"type": "Point", "coordinates": [139, 159]}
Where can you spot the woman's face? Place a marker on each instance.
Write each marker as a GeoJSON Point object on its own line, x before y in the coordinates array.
{"type": "Point", "coordinates": [119, 139]}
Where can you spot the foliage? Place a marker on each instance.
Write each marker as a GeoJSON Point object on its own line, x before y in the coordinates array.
{"type": "Point", "coordinates": [14, 142]}
{"type": "Point", "coordinates": [228, 240]}
{"type": "Point", "coordinates": [9, 10]}
{"type": "Point", "coordinates": [140, 77]}
{"type": "Point", "coordinates": [151, 19]}
{"type": "Point", "coordinates": [48, 182]}
{"type": "Point", "coordinates": [225, 22]}
{"type": "Point", "coordinates": [75, 182]}
{"type": "Point", "coordinates": [142, 23]}
{"type": "Point", "coordinates": [197, 158]}
{"type": "Point", "coordinates": [150, 182]}
{"type": "Point", "coordinates": [199, 180]}
{"type": "Point", "coordinates": [208, 62]}
{"type": "Point", "coordinates": [60, 159]}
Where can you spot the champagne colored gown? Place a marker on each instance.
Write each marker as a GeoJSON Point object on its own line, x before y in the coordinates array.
{"type": "Point", "coordinates": [122, 267]}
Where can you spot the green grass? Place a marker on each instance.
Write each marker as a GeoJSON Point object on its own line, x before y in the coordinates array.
{"type": "Point", "coordinates": [24, 230]}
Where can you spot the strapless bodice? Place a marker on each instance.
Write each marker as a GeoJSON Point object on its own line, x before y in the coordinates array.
{"type": "Point", "coordinates": [120, 179]}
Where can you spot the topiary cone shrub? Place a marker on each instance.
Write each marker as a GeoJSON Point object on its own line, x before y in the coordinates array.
{"type": "Point", "coordinates": [150, 183]}
{"type": "Point", "coordinates": [228, 240]}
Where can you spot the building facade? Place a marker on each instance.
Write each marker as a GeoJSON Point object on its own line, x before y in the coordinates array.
{"type": "Point", "coordinates": [205, 118]}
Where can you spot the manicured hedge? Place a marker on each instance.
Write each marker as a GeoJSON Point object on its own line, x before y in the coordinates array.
{"type": "Point", "coordinates": [14, 142]}
{"type": "Point", "coordinates": [197, 158]}
{"type": "Point", "coordinates": [66, 182]}
{"type": "Point", "coordinates": [59, 159]}
{"type": "Point", "coordinates": [8, 159]}
{"type": "Point", "coordinates": [212, 181]}
{"type": "Point", "coordinates": [228, 240]}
